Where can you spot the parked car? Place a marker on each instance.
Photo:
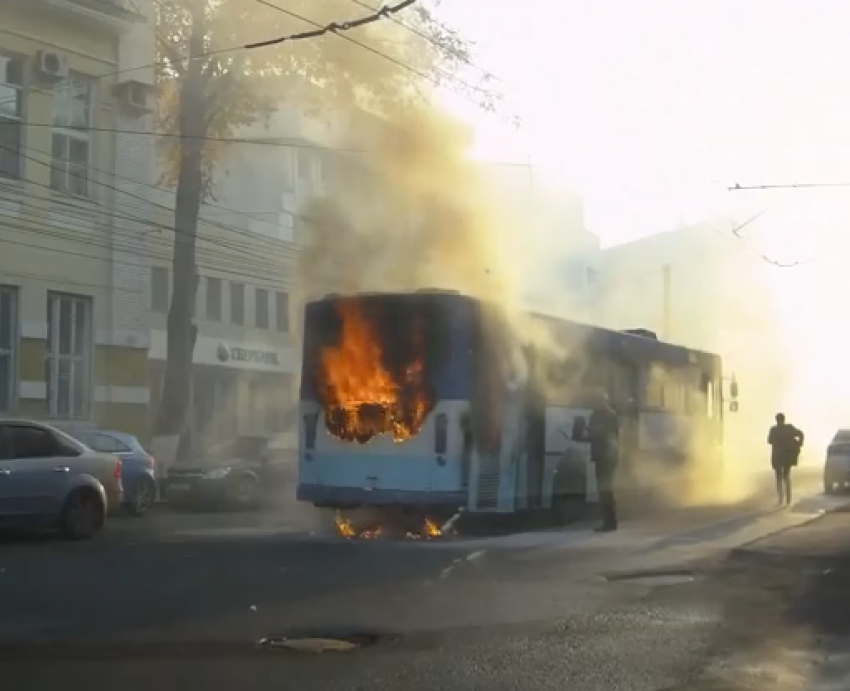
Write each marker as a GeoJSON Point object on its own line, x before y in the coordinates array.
{"type": "Point", "coordinates": [836, 470]}
{"type": "Point", "coordinates": [49, 479]}
{"type": "Point", "coordinates": [138, 466]}
{"type": "Point", "coordinates": [245, 472]}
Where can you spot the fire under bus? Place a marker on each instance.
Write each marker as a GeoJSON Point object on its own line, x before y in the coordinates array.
{"type": "Point", "coordinates": [427, 404]}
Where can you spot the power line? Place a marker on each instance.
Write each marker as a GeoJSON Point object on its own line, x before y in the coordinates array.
{"type": "Point", "coordinates": [134, 251]}
{"type": "Point", "coordinates": [430, 39]}
{"type": "Point", "coordinates": [800, 185]}
{"type": "Point", "coordinates": [390, 58]}
{"type": "Point", "coordinates": [333, 27]}
{"type": "Point", "coordinates": [248, 214]}
{"type": "Point", "coordinates": [212, 241]}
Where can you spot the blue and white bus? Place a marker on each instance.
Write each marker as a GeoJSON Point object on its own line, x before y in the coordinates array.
{"type": "Point", "coordinates": [435, 402]}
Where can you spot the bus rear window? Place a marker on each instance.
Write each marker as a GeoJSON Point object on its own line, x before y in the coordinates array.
{"type": "Point", "coordinates": [373, 362]}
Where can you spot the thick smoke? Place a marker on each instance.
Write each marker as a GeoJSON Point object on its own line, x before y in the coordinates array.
{"type": "Point", "coordinates": [410, 212]}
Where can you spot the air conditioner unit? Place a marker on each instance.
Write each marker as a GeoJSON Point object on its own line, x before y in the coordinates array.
{"type": "Point", "coordinates": [51, 66]}
{"type": "Point", "coordinates": [135, 97]}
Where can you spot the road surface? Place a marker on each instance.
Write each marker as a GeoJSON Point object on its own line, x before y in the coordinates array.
{"type": "Point", "coordinates": [165, 606]}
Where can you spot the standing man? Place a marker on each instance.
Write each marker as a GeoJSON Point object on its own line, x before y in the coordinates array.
{"type": "Point", "coordinates": [603, 431]}
{"type": "Point", "coordinates": [785, 441]}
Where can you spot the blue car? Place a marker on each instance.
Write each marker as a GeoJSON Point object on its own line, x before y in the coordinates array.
{"type": "Point", "coordinates": [138, 466]}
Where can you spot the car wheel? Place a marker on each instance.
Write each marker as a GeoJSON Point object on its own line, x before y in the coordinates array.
{"type": "Point", "coordinates": [83, 515]}
{"type": "Point", "coordinates": [143, 498]}
{"type": "Point", "coordinates": [245, 492]}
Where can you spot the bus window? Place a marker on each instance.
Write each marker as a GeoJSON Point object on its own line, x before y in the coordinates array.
{"type": "Point", "coordinates": [441, 434]}
{"type": "Point", "coordinates": [654, 391]}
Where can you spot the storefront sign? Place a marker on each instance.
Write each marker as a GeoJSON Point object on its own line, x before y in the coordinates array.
{"type": "Point", "coordinates": [262, 357]}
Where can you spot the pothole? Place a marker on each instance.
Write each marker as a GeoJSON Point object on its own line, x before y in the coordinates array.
{"type": "Point", "coordinates": [654, 578]}
{"type": "Point", "coordinates": [319, 642]}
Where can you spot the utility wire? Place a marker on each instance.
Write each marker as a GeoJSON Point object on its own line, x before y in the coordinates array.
{"type": "Point", "coordinates": [333, 27]}
{"type": "Point", "coordinates": [25, 227]}
{"type": "Point", "coordinates": [212, 241]}
{"type": "Point", "coordinates": [419, 73]}
{"type": "Point", "coordinates": [132, 243]}
{"type": "Point", "coordinates": [800, 185]}
{"type": "Point", "coordinates": [455, 54]}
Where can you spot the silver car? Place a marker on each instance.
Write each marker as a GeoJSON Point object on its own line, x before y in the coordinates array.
{"type": "Point", "coordinates": [836, 470]}
{"type": "Point", "coordinates": [49, 479]}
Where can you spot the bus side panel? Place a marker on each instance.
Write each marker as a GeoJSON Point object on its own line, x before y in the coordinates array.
{"type": "Point", "coordinates": [563, 455]}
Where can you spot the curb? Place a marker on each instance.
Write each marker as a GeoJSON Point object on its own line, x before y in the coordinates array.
{"type": "Point", "coordinates": [747, 546]}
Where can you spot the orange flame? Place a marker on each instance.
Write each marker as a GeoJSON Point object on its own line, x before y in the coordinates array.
{"type": "Point", "coordinates": [432, 529]}
{"type": "Point", "coordinates": [362, 397]}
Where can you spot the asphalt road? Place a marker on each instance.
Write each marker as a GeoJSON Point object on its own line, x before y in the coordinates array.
{"type": "Point", "coordinates": [184, 601]}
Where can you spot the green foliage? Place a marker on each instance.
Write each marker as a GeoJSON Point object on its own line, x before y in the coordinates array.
{"type": "Point", "coordinates": [246, 86]}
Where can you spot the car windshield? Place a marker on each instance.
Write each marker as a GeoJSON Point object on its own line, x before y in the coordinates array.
{"type": "Point", "coordinates": [842, 436]}
{"type": "Point", "coordinates": [241, 448]}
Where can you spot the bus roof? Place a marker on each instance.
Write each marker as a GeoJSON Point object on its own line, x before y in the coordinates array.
{"type": "Point", "coordinates": [623, 343]}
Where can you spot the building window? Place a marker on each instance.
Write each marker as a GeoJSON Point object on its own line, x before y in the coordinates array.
{"type": "Point", "coordinates": [282, 311]}
{"type": "Point", "coordinates": [160, 289]}
{"type": "Point", "coordinates": [591, 277]}
{"type": "Point", "coordinates": [11, 115]}
{"type": "Point", "coordinates": [304, 164]}
{"type": "Point", "coordinates": [261, 308]}
{"type": "Point", "coordinates": [214, 299]}
{"type": "Point", "coordinates": [8, 345]}
{"type": "Point", "coordinates": [72, 109]}
{"type": "Point", "coordinates": [69, 351]}
{"type": "Point", "coordinates": [287, 177]}
{"type": "Point", "coordinates": [237, 304]}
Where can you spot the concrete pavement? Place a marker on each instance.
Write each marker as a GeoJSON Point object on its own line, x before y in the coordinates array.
{"type": "Point", "coordinates": [162, 604]}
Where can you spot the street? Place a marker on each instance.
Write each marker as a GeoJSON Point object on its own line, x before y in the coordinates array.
{"type": "Point", "coordinates": [162, 602]}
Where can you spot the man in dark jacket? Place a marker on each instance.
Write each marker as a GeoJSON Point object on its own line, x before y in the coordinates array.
{"type": "Point", "coordinates": [603, 430]}
{"type": "Point", "coordinates": [785, 441]}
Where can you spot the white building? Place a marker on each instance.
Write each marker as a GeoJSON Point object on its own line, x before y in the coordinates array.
{"type": "Point", "coordinates": [246, 359]}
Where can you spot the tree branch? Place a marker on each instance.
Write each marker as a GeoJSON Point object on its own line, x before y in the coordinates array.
{"type": "Point", "coordinates": [222, 87]}
{"type": "Point", "coordinates": [174, 58]}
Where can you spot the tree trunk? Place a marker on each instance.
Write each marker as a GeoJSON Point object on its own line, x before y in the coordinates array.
{"type": "Point", "coordinates": [182, 332]}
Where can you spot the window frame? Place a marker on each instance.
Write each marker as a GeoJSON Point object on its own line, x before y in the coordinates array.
{"type": "Point", "coordinates": [21, 93]}
{"type": "Point", "coordinates": [213, 309]}
{"type": "Point", "coordinates": [257, 311]}
{"type": "Point", "coordinates": [281, 306]}
{"type": "Point", "coordinates": [237, 288]}
{"type": "Point", "coordinates": [79, 364]}
{"type": "Point", "coordinates": [14, 348]}
{"type": "Point", "coordinates": [155, 308]}
{"type": "Point", "coordinates": [70, 133]}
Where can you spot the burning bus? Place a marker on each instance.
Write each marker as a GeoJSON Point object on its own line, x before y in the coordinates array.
{"type": "Point", "coordinates": [433, 402]}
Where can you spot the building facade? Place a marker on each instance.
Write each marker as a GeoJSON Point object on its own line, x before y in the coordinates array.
{"type": "Point", "coordinates": [73, 275]}
{"type": "Point", "coordinates": [246, 358]}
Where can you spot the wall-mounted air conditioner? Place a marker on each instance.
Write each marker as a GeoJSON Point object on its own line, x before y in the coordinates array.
{"type": "Point", "coordinates": [135, 97]}
{"type": "Point", "coordinates": [51, 66]}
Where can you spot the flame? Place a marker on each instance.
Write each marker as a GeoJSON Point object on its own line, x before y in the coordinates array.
{"type": "Point", "coordinates": [344, 527]}
{"type": "Point", "coordinates": [362, 396]}
{"type": "Point", "coordinates": [432, 529]}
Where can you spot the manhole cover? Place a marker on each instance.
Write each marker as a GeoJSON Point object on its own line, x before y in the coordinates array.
{"type": "Point", "coordinates": [653, 578]}
{"type": "Point", "coordinates": [319, 642]}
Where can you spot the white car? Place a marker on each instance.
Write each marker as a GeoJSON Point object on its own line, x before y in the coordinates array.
{"type": "Point", "coordinates": [836, 471]}
{"type": "Point", "coordinates": [49, 479]}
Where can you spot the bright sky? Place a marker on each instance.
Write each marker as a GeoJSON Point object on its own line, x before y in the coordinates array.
{"type": "Point", "coordinates": [650, 109]}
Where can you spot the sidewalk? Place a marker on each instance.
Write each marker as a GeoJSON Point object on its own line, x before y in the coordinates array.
{"type": "Point", "coordinates": [786, 623]}
{"type": "Point", "coordinates": [658, 544]}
